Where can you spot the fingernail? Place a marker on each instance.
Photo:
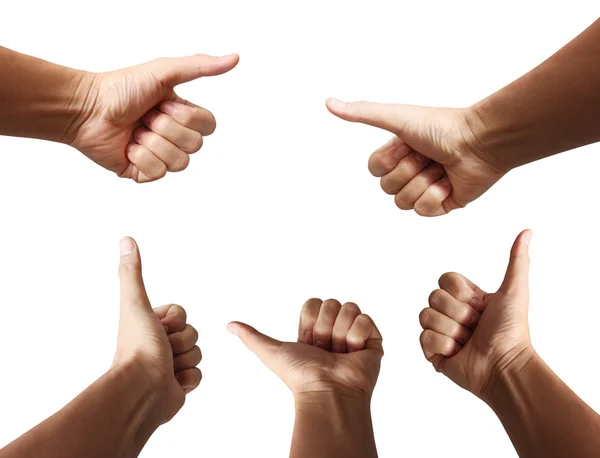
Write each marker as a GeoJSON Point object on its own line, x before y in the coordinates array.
{"type": "Point", "coordinates": [232, 329]}
{"type": "Point", "coordinates": [527, 238]}
{"type": "Point", "coordinates": [169, 108]}
{"type": "Point", "coordinates": [227, 56]}
{"type": "Point", "coordinates": [126, 246]}
{"type": "Point", "coordinates": [336, 104]}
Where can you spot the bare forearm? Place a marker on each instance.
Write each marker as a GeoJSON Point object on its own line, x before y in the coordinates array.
{"type": "Point", "coordinates": [333, 424]}
{"type": "Point", "coordinates": [543, 417]}
{"type": "Point", "coordinates": [39, 99]}
{"type": "Point", "coordinates": [553, 108]}
{"type": "Point", "coordinates": [113, 417]}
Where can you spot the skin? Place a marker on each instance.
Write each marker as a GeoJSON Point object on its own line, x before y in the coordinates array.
{"type": "Point", "coordinates": [153, 370]}
{"type": "Point", "coordinates": [128, 121]}
{"type": "Point", "coordinates": [481, 342]}
{"type": "Point", "coordinates": [441, 159]}
{"type": "Point", "coordinates": [331, 370]}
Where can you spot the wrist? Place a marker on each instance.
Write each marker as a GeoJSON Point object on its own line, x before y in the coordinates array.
{"type": "Point", "coordinates": [79, 104]}
{"type": "Point", "coordinates": [507, 372]}
{"type": "Point", "coordinates": [145, 406]}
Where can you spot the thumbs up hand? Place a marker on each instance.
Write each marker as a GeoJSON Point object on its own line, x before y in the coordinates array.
{"type": "Point", "coordinates": [338, 349]}
{"type": "Point", "coordinates": [132, 122]}
{"type": "Point", "coordinates": [473, 337]}
{"type": "Point", "coordinates": [158, 341]}
{"type": "Point", "coordinates": [435, 162]}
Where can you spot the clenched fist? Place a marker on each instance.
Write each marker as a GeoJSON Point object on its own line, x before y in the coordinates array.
{"type": "Point", "coordinates": [158, 341]}
{"type": "Point", "coordinates": [472, 336]}
{"type": "Point", "coordinates": [435, 163]}
{"type": "Point", "coordinates": [338, 349]}
{"type": "Point", "coordinates": [132, 122]}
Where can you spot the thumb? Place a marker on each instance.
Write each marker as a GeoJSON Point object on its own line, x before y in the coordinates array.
{"type": "Point", "coordinates": [133, 292]}
{"type": "Point", "coordinates": [261, 345]}
{"type": "Point", "coordinates": [174, 71]}
{"type": "Point", "coordinates": [516, 279]}
{"type": "Point", "coordinates": [385, 116]}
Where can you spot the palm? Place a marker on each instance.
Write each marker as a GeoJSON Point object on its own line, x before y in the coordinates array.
{"type": "Point", "coordinates": [305, 367]}
{"type": "Point", "coordinates": [122, 99]}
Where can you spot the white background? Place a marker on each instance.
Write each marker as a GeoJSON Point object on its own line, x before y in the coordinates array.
{"type": "Point", "coordinates": [279, 207]}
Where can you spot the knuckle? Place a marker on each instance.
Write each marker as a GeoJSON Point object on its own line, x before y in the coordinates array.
{"type": "Point", "coordinates": [448, 278]}
{"type": "Point", "coordinates": [435, 298]}
{"type": "Point", "coordinates": [351, 307]}
{"type": "Point", "coordinates": [194, 143]}
{"type": "Point", "coordinates": [364, 319]}
{"type": "Point", "coordinates": [425, 317]}
{"type": "Point", "coordinates": [331, 305]}
{"type": "Point", "coordinates": [425, 338]}
{"type": "Point", "coordinates": [388, 185]}
{"type": "Point", "coordinates": [401, 202]}
{"type": "Point", "coordinates": [181, 163]}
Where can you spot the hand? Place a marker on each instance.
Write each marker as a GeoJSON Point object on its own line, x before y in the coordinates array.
{"type": "Point", "coordinates": [433, 165]}
{"type": "Point", "coordinates": [159, 340]}
{"type": "Point", "coordinates": [338, 348]}
{"type": "Point", "coordinates": [134, 124]}
{"type": "Point", "coordinates": [473, 337]}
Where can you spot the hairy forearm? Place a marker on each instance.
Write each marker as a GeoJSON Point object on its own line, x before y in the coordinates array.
{"type": "Point", "coordinates": [114, 418]}
{"type": "Point", "coordinates": [553, 108]}
{"type": "Point", "coordinates": [542, 416]}
{"type": "Point", "coordinates": [39, 99]}
{"type": "Point", "coordinates": [332, 424]}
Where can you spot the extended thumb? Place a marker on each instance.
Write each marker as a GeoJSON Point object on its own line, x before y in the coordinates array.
{"type": "Point", "coordinates": [174, 71]}
{"type": "Point", "coordinates": [385, 116]}
{"type": "Point", "coordinates": [261, 345]}
{"type": "Point", "coordinates": [133, 291]}
{"type": "Point", "coordinates": [516, 279]}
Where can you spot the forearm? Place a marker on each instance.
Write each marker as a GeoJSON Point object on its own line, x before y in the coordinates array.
{"type": "Point", "coordinates": [553, 108]}
{"type": "Point", "coordinates": [39, 99]}
{"type": "Point", "coordinates": [112, 418]}
{"type": "Point", "coordinates": [331, 424]}
{"type": "Point", "coordinates": [542, 416]}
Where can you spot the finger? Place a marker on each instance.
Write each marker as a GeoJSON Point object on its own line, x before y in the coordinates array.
{"type": "Point", "coordinates": [342, 325]}
{"type": "Point", "coordinates": [409, 194]}
{"type": "Point", "coordinates": [133, 291]}
{"type": "Point", "coordinates": [385, 116]}
{"type": "Point", "coordinates": [408, 168]}
{"type": "Point", "coordinates": [438, 322]}
{"type": "Point", "coordinates": [434, 343]}
{"type": "Point", "coordinates": [173, 317]}
{"type": "Point", "coordinates": [193, 117]}
{"type": "Point", "coordinates": [187, 140]}
{"type": "Point", "coordinates": [189, 379]}
{"type": "Point", "coordinates": [188, 359]}
{"type": "Point", "coordinates": [386, 158]}
{"type": "Point", "coordinates": [183, 341]}
{"type": "Point", "coordinates": [363, 334]}
{"type": "Point", "coordinates": [261, 345]}
{"type": "Point", "coordinates": [308, 319]}
{"type": "Point", "coordinates": [461, 312]}
{"type": "Point", "coordinates": [174, 71]}
{"type": "Point", "coordinates": [516, 279]}
{"type": "Point", "coordinates": [463, 289]}
{"type": "Point", "coordinates": [150, 167]}
{"type": "Point", "coordinates": [324, 326]}
{"type": "Point", "coordinates": [434, 201]}
{"type": "Point", "coordinates": [175, 159]}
